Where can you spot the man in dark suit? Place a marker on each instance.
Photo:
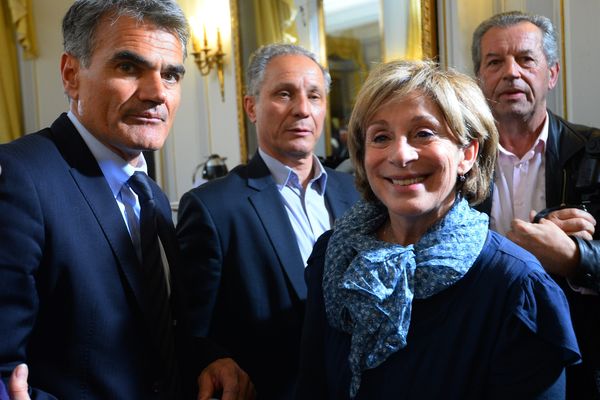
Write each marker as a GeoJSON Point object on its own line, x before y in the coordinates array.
{"type": "Point", "coordinates": [245, 238]}
{"type": "Point", "coordinates": [543, 163]}
{"type": "Point", "coordinates": [75, 272]}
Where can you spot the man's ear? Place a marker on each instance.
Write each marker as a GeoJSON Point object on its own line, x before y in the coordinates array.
{"type": "Point", "coordinates": [69, 71]}
{"type": "Point", "coordinates": [250, 107]}
{"type": "Point", "coordinates": [469, 157]}
{"type": "Point", "coordinates": [553, 71]}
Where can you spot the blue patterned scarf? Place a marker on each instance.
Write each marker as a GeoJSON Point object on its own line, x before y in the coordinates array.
{"type": "Point", "coordinates": [369, 285]}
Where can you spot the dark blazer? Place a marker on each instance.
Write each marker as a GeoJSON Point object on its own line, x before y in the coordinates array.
{"type": "Point", "coordinates": [244, 271]}
{"type": "Point", "coordinates": [71, 301]}
{"type": "Point", "coordinates": [565, 152]}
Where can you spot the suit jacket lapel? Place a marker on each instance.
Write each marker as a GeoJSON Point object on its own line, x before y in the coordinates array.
{"type": "Point", "coordinates": [337, 200]}
{"type": "Point", "coordinates": [269, 207]}
{"type": "Point", "coordinates": [92, 184]}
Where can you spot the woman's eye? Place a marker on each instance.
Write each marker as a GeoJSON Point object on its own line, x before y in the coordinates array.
{"type": "Point", "coordinates": [424, 134]}
{"type": "Point", "coordinates": [380, 138]}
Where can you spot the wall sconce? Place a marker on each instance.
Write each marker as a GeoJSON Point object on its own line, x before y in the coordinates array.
{"type": "Point", "coordinates": [206, 59]}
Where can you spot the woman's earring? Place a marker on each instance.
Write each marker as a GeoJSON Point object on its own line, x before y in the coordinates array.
{"type": "Point", "coordinates": [461, 178]}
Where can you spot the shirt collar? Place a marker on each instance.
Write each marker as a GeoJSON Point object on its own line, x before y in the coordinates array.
{"type": "Point", "coordinates": [284, 175]}
{"type": "Point", "coordinates": [539, 144]}
{"type": "Point", "coordinates": [115, 169]}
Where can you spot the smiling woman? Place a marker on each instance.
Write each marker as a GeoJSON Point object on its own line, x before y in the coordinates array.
{"type": "Point", "coordinates": [411, 161]}
{"type": "Point", "coordinates": [411, 274]}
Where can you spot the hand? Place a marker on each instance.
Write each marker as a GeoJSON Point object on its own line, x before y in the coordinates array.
{"type": "Point", "coordinates": [555, 250]}
{"type": "Point", "coordinates": [573, 221]}
{"type": "Point", "coordinates": [226, 376]}
{"type": "Point", "coordinates": [17, 385]}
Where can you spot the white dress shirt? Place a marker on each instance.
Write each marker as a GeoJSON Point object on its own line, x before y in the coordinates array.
{"type": "Point", "coordinates": [117, 172]}
{"type": "Point", "coordinates": [519, 184]}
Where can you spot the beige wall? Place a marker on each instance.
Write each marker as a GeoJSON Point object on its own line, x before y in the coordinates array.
{"type": "Point", "coordinates": [583, 60]}
{"type": "Point", "coordinates": [205, 124]}
{"type": "Point", "coordinates": [43, 94]}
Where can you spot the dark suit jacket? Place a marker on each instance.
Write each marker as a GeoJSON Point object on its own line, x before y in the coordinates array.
{"type": "Point", "coordinates": [71, 299]}
{"type": "Point", "coordinates": [244, 272]}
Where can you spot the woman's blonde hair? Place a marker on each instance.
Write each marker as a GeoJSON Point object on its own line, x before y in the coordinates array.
{"type": "Point", "coordinates": [460, 100]}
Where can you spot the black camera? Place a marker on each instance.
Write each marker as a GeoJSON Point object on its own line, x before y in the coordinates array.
{"type": "Point", "coordinates": [214, 167]}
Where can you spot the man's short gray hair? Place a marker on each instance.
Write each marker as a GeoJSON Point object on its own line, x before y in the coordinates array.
{"type": "Point", "coordinates": [507, 19]}
{"type": "Point", "coordinates": [81, 21]}
{"type": "Point", "coordinates": [259, 60]}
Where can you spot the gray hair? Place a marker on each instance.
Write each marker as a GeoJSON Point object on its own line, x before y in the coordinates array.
{"type": "Point", "coordinates": [81, 21]}
{"type": "Point", "coordinates": [504, 20]}
{"type": "Point", "coordinates": [259, 60]}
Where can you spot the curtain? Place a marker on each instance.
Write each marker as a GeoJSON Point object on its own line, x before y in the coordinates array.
{"type": "Point", "coordinates": [23, 25]}
{"type": "Point", "coordinates": [11, 126]}
{"type": "Point", "coordinates": [275, 21]}
{"type": "Point", "coordinates": [414, 48]}
{"type": "Point", "coordinates": [16, 22]}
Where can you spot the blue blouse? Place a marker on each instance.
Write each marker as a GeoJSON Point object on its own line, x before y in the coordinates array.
{"type": "Point", "coordinates": [502, 330]}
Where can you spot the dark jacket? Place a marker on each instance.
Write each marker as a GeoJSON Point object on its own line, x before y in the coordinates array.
{"type": "Point", "coordinates": [244, 271]}
{"type": "Point", "coordinates": [71, 303]}
{"type": "Point", "coordinates": [565, 158]}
